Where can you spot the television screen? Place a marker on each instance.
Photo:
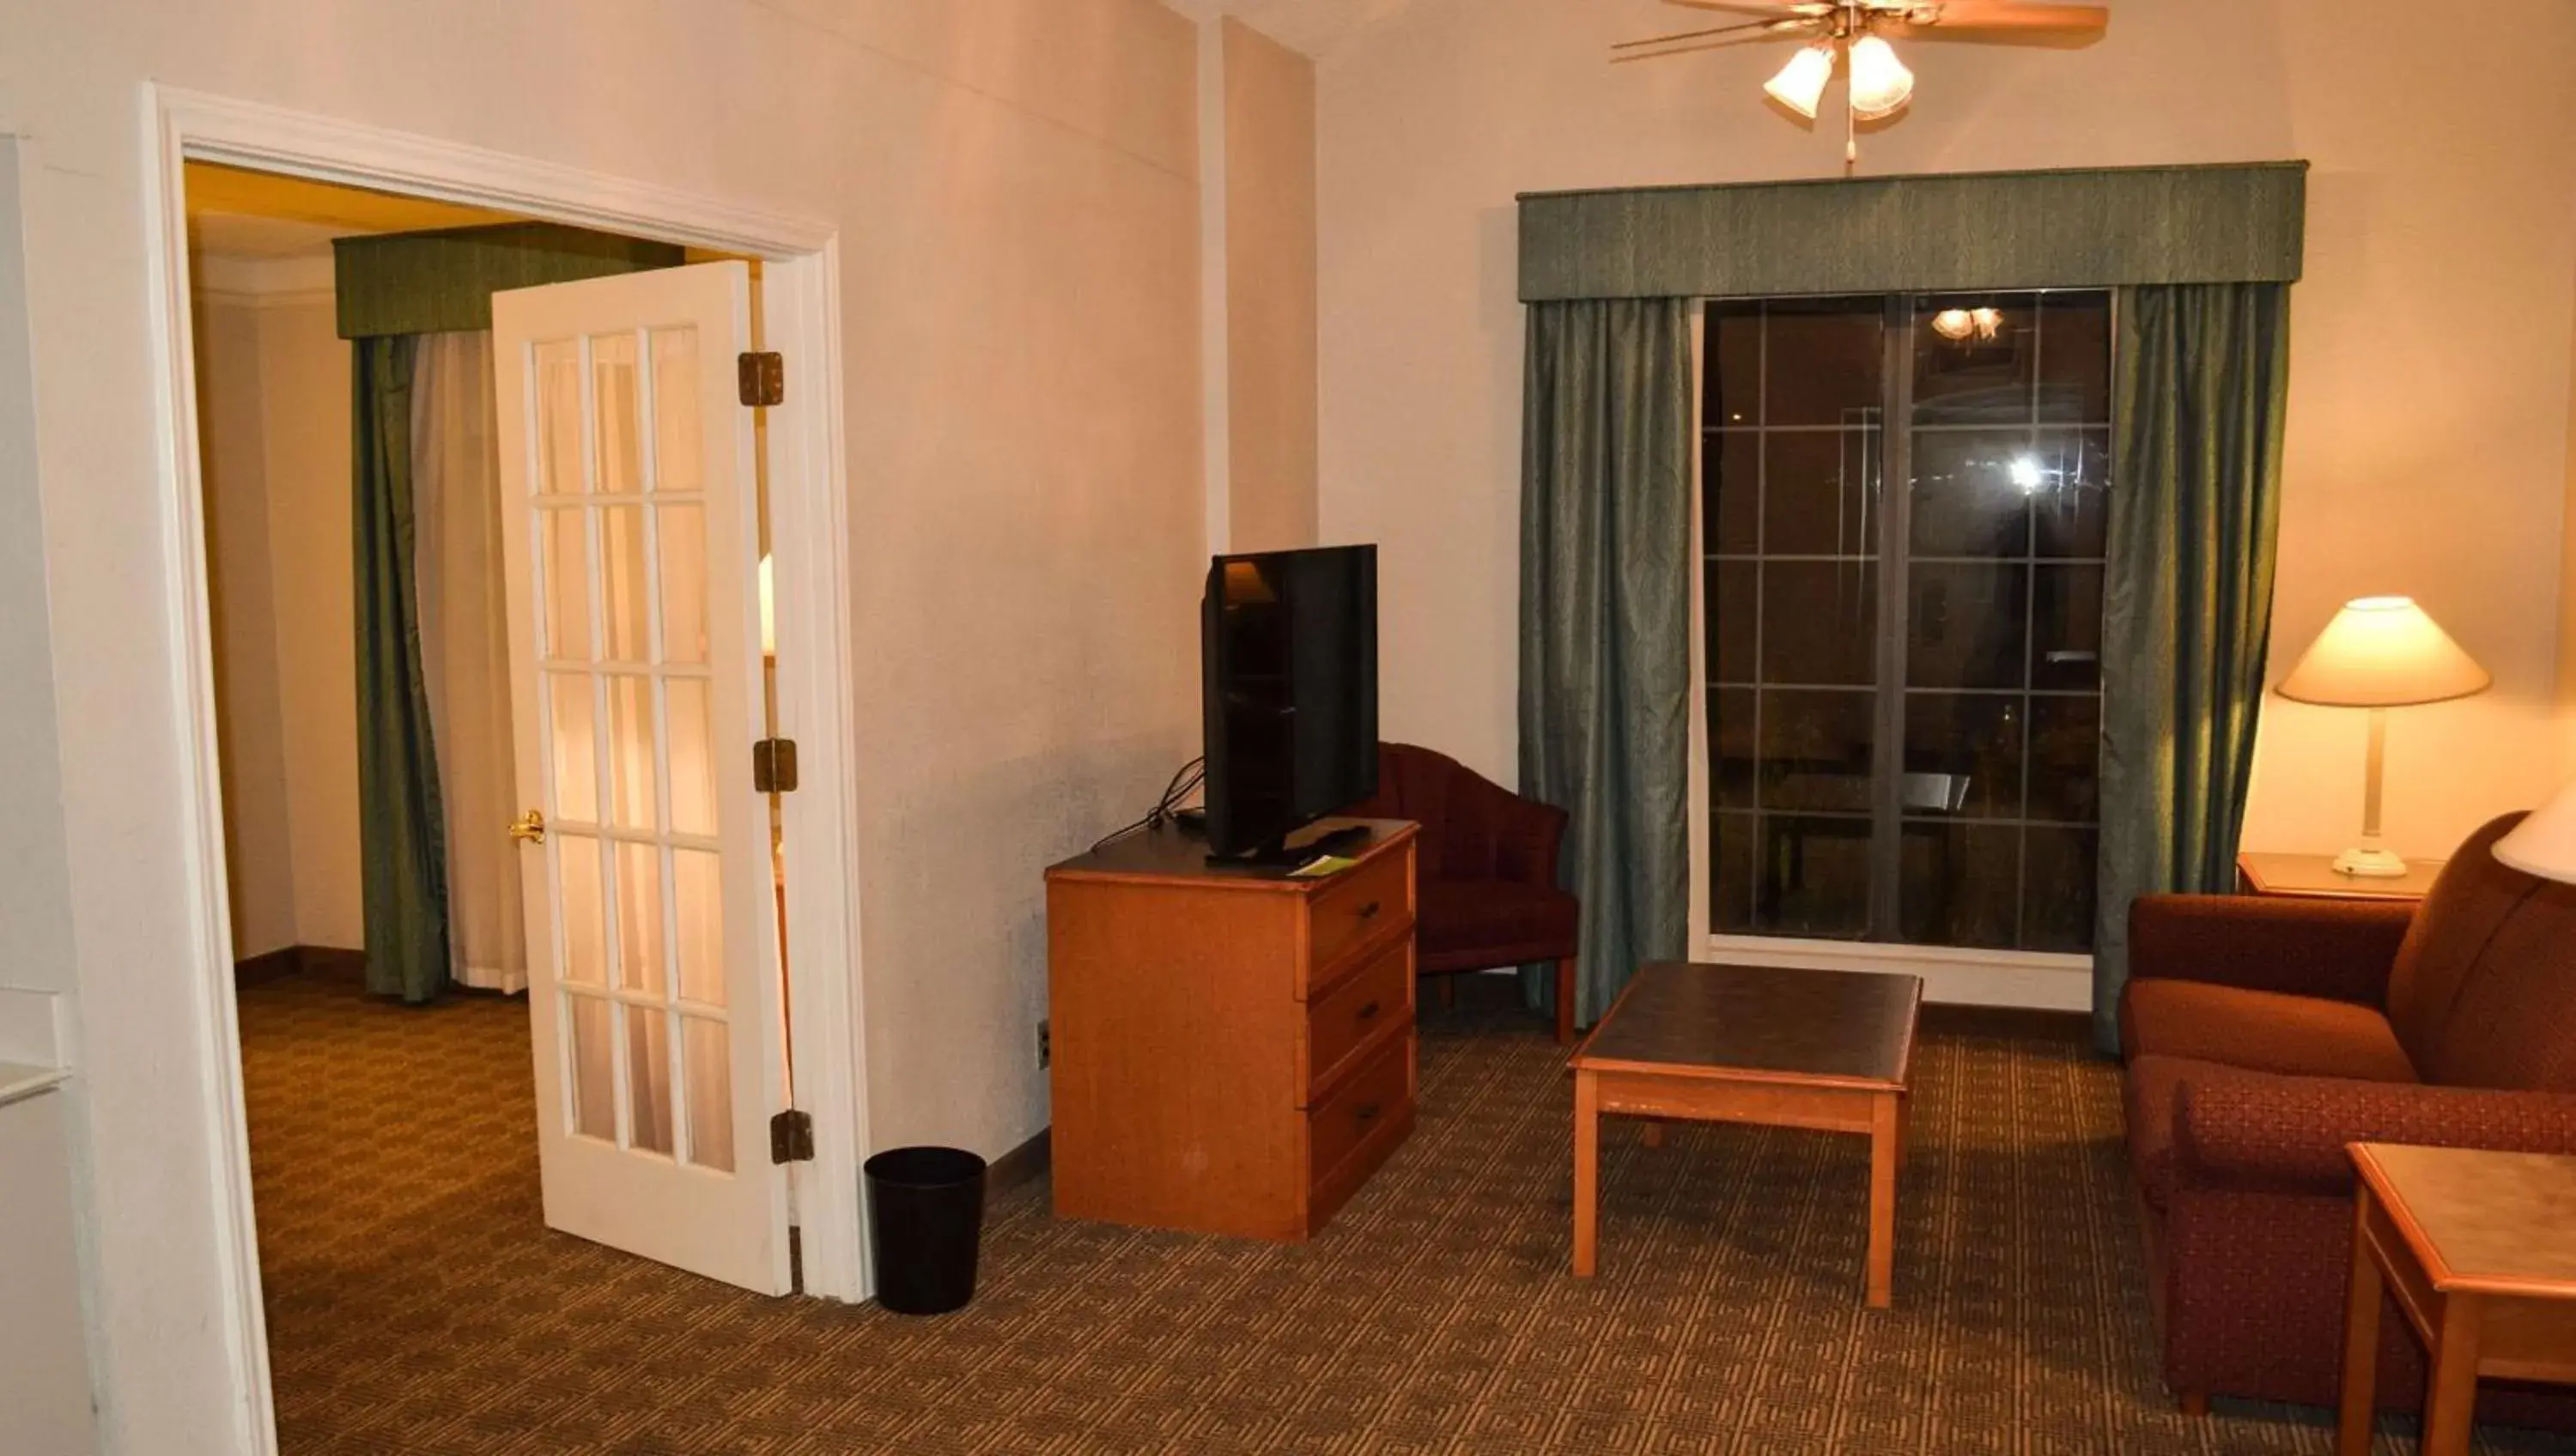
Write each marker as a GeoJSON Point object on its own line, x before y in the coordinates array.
{"type": "Point", "coordinates": [1288, 657]}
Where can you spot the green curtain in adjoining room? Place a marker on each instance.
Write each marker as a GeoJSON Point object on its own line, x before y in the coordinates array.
{"type": "Point", "coordinates": [402, 846]}
{"type": "Point", "coordinates": [1605, 686]}
{"type": "Point", "coordinates": [2200, 388]}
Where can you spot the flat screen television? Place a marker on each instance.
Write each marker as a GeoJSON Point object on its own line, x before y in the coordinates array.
{"type": "Point", "coordinates": [1288, 681]}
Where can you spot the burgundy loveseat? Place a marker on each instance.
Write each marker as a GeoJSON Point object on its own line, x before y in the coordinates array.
{"type": "Point", "coordinates": [2263, 1035]}
{"type": "Point", "coordinates": [1486, 863]}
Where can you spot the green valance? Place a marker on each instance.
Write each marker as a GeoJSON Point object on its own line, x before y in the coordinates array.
{"type": "Point", "coordinates": [443, 282]}
{"type": "Point", "coordinates": [1949, 232]}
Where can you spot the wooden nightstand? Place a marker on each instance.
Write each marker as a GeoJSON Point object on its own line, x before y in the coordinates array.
{"type": "Point", "coordinates": [2314, 877]}
{"type": "Point", "coordinates": [2479, 1252]}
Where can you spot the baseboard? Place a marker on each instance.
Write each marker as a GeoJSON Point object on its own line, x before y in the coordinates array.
{"type": "Point", "coordinates": [2029, 1023]}
{"type": "Point", "coordinates": [1024, 1164]}
{"type": "Point", "coordinates": [320, 961]}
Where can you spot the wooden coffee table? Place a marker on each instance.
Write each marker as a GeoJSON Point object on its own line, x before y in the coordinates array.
{"type": "Point", "coordinates": [2479, 1251]}
{"type": "Point", "coordinates": [1828, 1050]}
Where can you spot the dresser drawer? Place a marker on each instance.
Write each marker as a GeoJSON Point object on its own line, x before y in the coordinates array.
{"type": "Point", "coordinates": [1360, 903]}
{"type": "Point", "coordinates": [1344, 1018]}
{"type": "Point", "coordinates": [1377, 1094]}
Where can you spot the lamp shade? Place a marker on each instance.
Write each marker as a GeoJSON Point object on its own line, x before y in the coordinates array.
{"type": "Point", "coordinates": [1880, 83]}
{"type": "Point", "coordinates": [2383, 652]}
{"type": "Point", "coordinates": [1800, 86]}
{"type": "Point", "coordinates": [2544, 843]}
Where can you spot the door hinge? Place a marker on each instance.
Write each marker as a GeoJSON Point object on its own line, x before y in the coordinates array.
{"type": "Point", "coordinates": [791, 1137]}
{"type": "Point", "coordinates": [763, 377]}
{"type": "Point", "coordinates": [773, 765]}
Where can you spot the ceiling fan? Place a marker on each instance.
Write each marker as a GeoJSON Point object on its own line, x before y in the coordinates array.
{"type": "Point", "coordinates": [1857, 30]}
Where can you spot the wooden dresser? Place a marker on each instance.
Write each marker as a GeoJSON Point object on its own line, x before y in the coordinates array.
{"type": "Point", "coordinates": [1234, 1048]}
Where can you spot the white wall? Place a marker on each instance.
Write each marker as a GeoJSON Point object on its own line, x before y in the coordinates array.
{"type": "Point", "coordinates": [273, 427]}
{"type": "Point", "coordinates": [1270, 359]}
{"type": "Point", "coordinates": [1015, 183]}
{"type": "Point", "coordinates": [2429, 413]}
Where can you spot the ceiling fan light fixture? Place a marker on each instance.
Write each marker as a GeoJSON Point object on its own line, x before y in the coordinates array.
{"type": "Point", "coordinates": [1800, 86]}
{"type": "Point", "coordinates": [1880, 83]}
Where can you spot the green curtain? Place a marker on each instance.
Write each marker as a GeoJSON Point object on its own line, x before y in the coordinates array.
{"type": "Point", "coordinates": [2200, 387]}
{"type": "Point", "coordinates": [401, 838]}
{"type": "Point", "coordinates": [1605, 688]}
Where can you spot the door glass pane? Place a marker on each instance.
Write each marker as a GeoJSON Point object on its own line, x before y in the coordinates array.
{"type": "Point", "coordinates": [1820, 493]}
{"type": "Point", "coordinates": [693, 766]}
{"type": "Point", "coordinates": [707, 1063]}
{"type": "Point", "coordinates": [1975, 356]}
{"type": "Point", "coordinates": [1731, 387]}
{"type": "Point", "coordinates": [624, 589]}
{"type": "Point", "coordinates": [558, 371]}
{"type": "Point", "coordinates": [1813, 875]}
{"type": "Point", "coordinates": [1816, 749]}
{"type": "Point", "coordinates": [676, 441]}
{"type": "Point", "coordinates": [1822, 360]}
{"type": "Point", "coordinates": [1959, 882]}
{"type": "Point", "coordinates": [585, 917]}
{"type": "Point", "coordinates": [1962, 755]}
{"type": "Point", "coordinates": [697, 897]}
{"type": "Point", "coordinates": [1819, 622]}
{"type": "Point", "coordinates": [639, 918]}
{"type": "Point", "coordinates": [1730, 897]}
{"type": "Point", "coordinates": [572, 713]}
{"type": "Point", "coordinates": [594, 1075]}
{"type": "Point", "coordinates": [2066, 628]}
{"type": "Point", "coordinates": [1730, 471]}
{"type": "Point", "coordinates": [2072, 506]}
{"type": "Point", "coordinates": [2057, 899]}
{"type": "Point", "coordinates": [630, 752]}
{"type": "Point", "coordinates": [564, 552]}
{"type": "Point", "coordinates": [1732, 601]}
{"type": "Point", "coordinates": [1972, 492]}
{"type": "Point", "coordinates": [2065, 758]}
{"type": "Point", "coordinates": [1968, 626]}
{"type": "Point", "coordinates": [680, 533]}
{"type": "Point", "coordinates": [648, 1077]}
{"type": "Point", "coordinates": [2075, 358]}
{"type": "Point", "coordinates": [1733, 757]}
{"type": "Point", "coordinates": [621, 435]}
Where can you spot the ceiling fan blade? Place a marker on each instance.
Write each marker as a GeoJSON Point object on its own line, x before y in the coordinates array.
{"type": "Point", "coordinates": [1957, 16]}
{"type": "Point", "coordinates": [1805, 9]}
{"type": "Point", "coordinates": [1661, 40]}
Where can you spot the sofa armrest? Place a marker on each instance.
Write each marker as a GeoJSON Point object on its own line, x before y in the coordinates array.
{"type": "Point", "coordinates": [2338, 949]}
{"type": "Point", "coordinates": [1528, 836]}
{"type": "Point", "coordinates": [2263, 1130]}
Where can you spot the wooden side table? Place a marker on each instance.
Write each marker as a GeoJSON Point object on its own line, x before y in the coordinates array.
{"type": "Point", "coordinates": [1827, 1050]}
{"type": "Point", "coordinates": [2479, 1250]}
{"type": "Point", "coordinates": [2314, 877]}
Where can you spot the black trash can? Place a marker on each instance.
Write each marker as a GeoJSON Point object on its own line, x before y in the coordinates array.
{"type": "Point", "coordinates": [925, 1224]}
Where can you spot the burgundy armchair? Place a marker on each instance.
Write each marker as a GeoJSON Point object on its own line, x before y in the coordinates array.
{"type": "Point", "coordinates": [2263, 1035]}
{"type": "Point", "coordinates": [1486, 862]}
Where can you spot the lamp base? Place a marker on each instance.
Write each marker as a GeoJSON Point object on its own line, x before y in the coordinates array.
{"type": "Point", "coordinates": [2371, 863]}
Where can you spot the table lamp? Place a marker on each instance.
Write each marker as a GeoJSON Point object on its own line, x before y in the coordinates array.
{"type": "Point", "coordinates": [2381, 653]}
{"type": "Point", "coordinates": [2544, 843]}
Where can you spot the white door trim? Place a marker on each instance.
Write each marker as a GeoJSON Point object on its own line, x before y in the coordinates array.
{"type": "Point", "coordinates": [808, 502]}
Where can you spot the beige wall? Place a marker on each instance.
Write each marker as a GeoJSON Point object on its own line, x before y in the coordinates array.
{"type": "Point", "coordinates": [1270, 291]}
{"type": "Point", "coordinates": [273, 429]}
{"type": "Point", "coordinates": [2430, 378]}
{"type": "Point", "coordinates": [1015, 185]}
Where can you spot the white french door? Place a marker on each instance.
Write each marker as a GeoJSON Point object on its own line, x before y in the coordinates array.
{"type": "Point", "coordinates": [630, 533]}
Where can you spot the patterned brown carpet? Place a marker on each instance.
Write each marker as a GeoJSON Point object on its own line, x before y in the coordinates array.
{"type": "Point", "coordinates": [416, 1305]}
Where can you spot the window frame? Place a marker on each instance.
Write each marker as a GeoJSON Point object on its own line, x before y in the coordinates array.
{"type": "Point", "coordinates": [2059, 980]}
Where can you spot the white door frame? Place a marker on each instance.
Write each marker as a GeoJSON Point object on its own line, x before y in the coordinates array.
{"type": "Point", "coordinates": [808, 504]}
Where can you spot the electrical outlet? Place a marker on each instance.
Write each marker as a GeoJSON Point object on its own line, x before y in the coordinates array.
{"type": "Point", "coordinates": [1046, 1045]}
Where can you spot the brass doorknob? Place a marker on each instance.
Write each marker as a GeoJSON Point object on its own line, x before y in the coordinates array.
{"type": "Point", "coordinates": [530, 826]}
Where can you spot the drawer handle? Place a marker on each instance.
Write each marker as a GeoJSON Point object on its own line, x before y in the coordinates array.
{"type": "Point", "coordinates": [1369, 910]}
{"type": "Point", "coordinates": [1369, 1011]}
{"type": "Point", "coordinates": [1365, 1112]}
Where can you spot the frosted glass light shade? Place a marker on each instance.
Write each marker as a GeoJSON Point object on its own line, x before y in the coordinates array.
{"type": "Point", "coordinates": [1879, 81]}
{"type": "Point", "coordinates": [2383, 652]}
{"type": "Point", "coordinates": [1800, 86]}
{"type": "Point", "coordinates": [2544, 843]}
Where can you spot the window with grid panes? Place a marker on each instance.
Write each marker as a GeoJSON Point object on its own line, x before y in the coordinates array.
{"type": "Point", "coordinates": [1903, 686]}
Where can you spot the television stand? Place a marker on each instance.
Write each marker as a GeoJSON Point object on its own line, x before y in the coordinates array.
{"type": "Point", "coordinates": [1288, 851]}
